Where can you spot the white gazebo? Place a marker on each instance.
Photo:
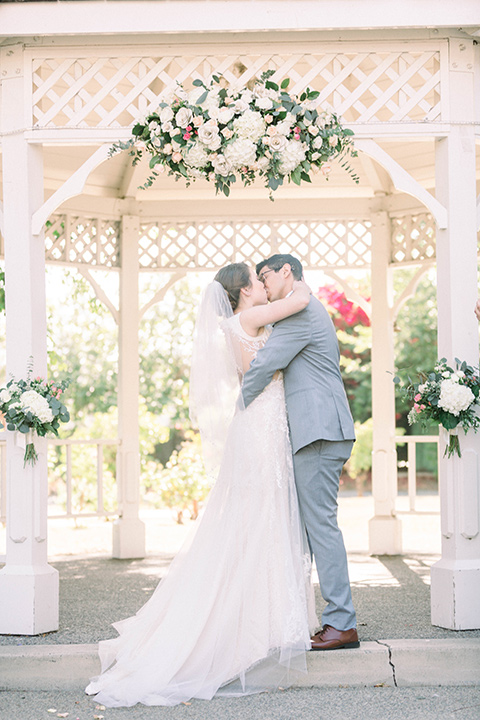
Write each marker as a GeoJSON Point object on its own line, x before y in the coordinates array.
{"type": "Point", "coordinates": [404, 76]}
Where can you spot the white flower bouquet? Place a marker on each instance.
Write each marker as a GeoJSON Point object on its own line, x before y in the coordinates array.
{"type": "Point", "coordinates": [33, 407]}
{"type": "Point", "coordinates": [448, 397]}
{"type": "Point", "coordinates": [219, 133]}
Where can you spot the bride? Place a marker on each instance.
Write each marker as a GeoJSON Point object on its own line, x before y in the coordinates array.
{"type": "Point", "coordinates": [235, 611]}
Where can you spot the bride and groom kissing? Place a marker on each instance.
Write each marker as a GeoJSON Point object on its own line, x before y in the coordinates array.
{"type": "Point", "coordinates": [235, 613]}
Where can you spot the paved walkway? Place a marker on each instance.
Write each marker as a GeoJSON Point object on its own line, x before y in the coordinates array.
{"type": "Point", "coordinates": [400, 649]}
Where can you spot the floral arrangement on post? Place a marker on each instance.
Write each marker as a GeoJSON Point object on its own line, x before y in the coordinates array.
{"type": "Point", "coordinates": [449, 397]}
{"type": "Point", "coordinates": [33, 407]}
{"type": "Point", "coordinates": [218, 133]}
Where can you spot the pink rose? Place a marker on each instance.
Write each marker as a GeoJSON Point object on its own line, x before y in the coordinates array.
{"type": "Point", "coordinates": [417, 397]}
{"type": "Point", "coordinates": [176, 157]}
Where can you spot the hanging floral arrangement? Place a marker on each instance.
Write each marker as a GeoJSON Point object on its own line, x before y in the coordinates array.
{"type": "Point", "coordinates": [448, 397]}
{"type": "Point", "coordinates": [222, 135]}
{"type": "Point", "coordinates": [32, 407]}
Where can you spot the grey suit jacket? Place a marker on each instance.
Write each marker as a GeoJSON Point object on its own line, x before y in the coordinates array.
{"type": "Point", "coordinates": [305, 347]}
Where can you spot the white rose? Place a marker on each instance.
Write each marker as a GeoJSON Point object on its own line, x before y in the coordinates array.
{"type": "Point", "coordinates": [156, 142]}
{"type": "Point", "coordinates": [317, 143]}
{"type": "Point", "coordinates": [227, 133]}
{"type": "Point", "coordinates": [166, 114]}
{"type": "Point", "coordinates": [249, 125]}
{"type": "Point", "coordinates": [168, 128]}
{"type": "Point", "coordinates": [153, 126]}
{"type": "Point", "coordinates": [446, 374]}
{"type": "Point", "coordinates": [283, 128]}
{"type": "Point", "coordinates": [167, 149]}
{"type": "Point", "coordinates": [239, 106]}
{"type": "Point", "coordinates": [313, 130]}
{"type": "Point", "coordinates": [278, 143]}
{"type": "Point", "coordinates": [5, 395]}
{"type": "Point", "coordinates": [225, 114]}
{"type": "Point", "coordinates": [208, 134]}
{"type": "Point", "coordinates": [241, 152]}
{"type": "Point", "coordinates": [460, 373]}
{"type": "Point", "coordinates": [184, 117]}
{"type": "Point", "coordinates": [264, 103]}
{"type": "Point", "coordinates": [222, 166]}
{"type": "Point", "coordinates": [333, 140]}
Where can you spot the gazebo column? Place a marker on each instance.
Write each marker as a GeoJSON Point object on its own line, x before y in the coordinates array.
{"type": "Point", "coordinates": [128, 530]}
{"type": "Point", "coordinates": [28, 585]}
{"type": "Point", "coordinates": [385, 533]}
{"type": "Point", "coordinates": [456, 577]}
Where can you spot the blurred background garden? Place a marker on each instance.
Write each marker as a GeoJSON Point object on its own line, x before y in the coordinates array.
{"type": "Point", "coordinates": [83, 345]}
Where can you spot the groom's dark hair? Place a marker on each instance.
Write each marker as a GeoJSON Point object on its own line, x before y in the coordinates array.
{"type": "Point", "coordinates": [276, 262]}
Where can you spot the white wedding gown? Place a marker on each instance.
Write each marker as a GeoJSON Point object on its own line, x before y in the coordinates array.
{"type": "Point", "coordinates": [235, 611]}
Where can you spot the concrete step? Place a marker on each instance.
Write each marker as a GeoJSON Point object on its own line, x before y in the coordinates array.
{"type": "Point", "coordinates": [401, 663]}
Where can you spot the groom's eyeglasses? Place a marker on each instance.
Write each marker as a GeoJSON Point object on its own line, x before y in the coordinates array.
{"type": "Point", "coordinates": [262, 276]}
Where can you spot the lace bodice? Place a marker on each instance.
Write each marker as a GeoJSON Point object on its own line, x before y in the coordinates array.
{"type": "Point", "coordinates": [245, 346]}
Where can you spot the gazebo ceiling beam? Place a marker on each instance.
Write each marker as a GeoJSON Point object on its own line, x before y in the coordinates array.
{"type": "Point", "coordinates": [73, 186]}
{"type": "Point", "coordinates": [403, 181]}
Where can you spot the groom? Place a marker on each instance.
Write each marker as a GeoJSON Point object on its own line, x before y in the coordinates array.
{"type": "Point", "coordinates": [305, 347]}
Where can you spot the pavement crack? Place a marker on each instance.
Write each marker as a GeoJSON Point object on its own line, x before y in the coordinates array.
{"type": "Point", "coordinates": [389, 660]}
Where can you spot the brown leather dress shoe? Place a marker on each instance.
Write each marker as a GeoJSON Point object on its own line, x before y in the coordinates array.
{"type": "Point", "coordinates": [331, 639]}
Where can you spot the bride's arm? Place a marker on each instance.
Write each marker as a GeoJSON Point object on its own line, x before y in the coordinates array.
{"type": "Point", "coordinates": [256, 317]}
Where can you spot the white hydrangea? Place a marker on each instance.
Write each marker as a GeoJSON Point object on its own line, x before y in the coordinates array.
{"type": "Point", "coordinates": [291, 157]}
{"type": "Point", "coordinates": [241, 152]}
{"type": "Point", "coordinates": [454, 397]}
{"type": "Point", "coordinates": [196, 156]}
{"type": "Point", "coordinates": [250, 125]}
{"type": "Point", "coordinates": [32, 402]}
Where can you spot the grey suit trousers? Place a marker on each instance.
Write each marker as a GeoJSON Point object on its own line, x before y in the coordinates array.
{"type": "Point", "coordinates": [317, 471]}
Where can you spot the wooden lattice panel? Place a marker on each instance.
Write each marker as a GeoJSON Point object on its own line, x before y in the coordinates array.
{"type": "Point", "coordinates": [80, 240]}
{"type": "Point", "coordinates": [211, 245]}
{"type": "Point", "coordinates": [413, 239]}
{"type": "Point", "coordinates": [379, 85]}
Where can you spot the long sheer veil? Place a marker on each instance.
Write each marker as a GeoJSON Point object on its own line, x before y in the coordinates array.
{"type": "Point", "coordinates": [214, 375]}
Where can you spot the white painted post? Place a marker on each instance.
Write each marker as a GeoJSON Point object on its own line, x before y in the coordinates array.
{"type": "Point", "coordinates": [385, 530]}
{"type": "Point", "coordinates": [28, 585]}
{"type": "Point", "coordinates": [456, 576]}
{"type": "Point", "coordinates": [128, 530]}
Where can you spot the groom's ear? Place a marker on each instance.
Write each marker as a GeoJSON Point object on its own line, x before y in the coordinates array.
{"type": "Point", "coordinates": [286, 270]}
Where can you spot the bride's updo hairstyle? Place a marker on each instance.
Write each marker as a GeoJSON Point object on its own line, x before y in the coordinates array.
{"type": "Point", "coordinates": [233, 278]}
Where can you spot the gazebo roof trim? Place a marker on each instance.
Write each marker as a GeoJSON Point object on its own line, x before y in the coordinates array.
{"type": "Point", "coordinates": [92, 16]}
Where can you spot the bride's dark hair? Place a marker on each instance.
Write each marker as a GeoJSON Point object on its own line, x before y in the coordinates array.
{"type": "Point", "coordinates": [233, 278]}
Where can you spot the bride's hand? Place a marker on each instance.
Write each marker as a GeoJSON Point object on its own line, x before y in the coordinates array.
{"type": "Point", "coordinates": [301, 285]}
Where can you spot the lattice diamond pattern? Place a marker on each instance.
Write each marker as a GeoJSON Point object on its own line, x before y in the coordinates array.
{"type": "Point", "coordinates": [80, 240]}
{"type": "Point", "coordinates": [413, 239]}
{"type": "Point", "coordinates": [211, 245]}
{"type": "Point", "coordinates": [366, 86]}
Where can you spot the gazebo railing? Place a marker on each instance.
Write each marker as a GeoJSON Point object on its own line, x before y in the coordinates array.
{"type": "Point", "coordinates": [68, 443]}
{"type": "Point", "coordinates": [411, 441]}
